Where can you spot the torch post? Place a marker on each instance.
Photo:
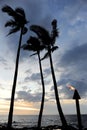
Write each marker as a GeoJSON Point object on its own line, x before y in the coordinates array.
{"type": "Point", "coordinates": [76, 96]}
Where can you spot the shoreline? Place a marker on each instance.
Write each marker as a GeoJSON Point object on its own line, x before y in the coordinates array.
{"type": "Point", "coordinates": [50, 127]}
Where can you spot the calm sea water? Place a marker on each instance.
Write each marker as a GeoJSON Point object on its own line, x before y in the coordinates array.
{"type": "Point", "coordinates": [31, 120]}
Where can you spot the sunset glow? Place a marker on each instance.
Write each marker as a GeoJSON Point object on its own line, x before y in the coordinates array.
{"type": "Point", "coordinates": [20, 108]}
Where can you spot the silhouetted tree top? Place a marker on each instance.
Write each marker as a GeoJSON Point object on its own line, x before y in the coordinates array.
{"type": "Point", "coordinates": [42, 33]}
{"type": "Point", "coordinates": [46, 37]}
{"type": "Point", "coordinates": [18, 19]}
{"type": "Point", "coordinates": [33, 44]}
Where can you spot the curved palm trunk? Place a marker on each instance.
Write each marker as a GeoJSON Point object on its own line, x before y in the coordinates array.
{"type": "Point", "coordinates": [10, 116]}
{"type": "Point", "coordinates": [43, 94]}
{"type": "Point", "coordinates": [63, 120]}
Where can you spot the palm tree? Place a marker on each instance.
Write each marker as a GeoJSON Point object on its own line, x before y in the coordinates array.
{"type": "Point", "coordinates": [17, 23]}
{"type": "Point", "coordinates": [33, 44]}
{"type": "Point", "coordinates": [49, 40]}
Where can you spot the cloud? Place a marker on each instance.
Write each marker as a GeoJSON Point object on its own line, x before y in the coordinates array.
{"type": "Point", "coordinates": [47, 76]}
{"type": "Point", "coordinates": [74, 56]}
{"type": "Point", "coordinates": [36, 77]}
{"type": "Point", "coordinates": [33, 77]}
{"type": "Point", "coordinates": [74, 65]}
{"type": "Point", "coordinates": [84, 1]}
{"type": "Point", "coordinates": [65, 93]}
{"type": "Point", "coordinates": [27, 96]}
{"type": "Point", "coordinates": [25, 88]}
{"type": "Point", "coordinates": [47, 72]}
{"type": "Point", "coordinates": [28, 71]}
{"type": "Point", "coordinates": [79, 85]}
{"type": "Point", "coordinates": [72, 11]}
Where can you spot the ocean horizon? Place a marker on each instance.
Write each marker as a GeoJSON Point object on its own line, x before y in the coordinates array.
{"type": "Point", "coordinates": [20, 121]}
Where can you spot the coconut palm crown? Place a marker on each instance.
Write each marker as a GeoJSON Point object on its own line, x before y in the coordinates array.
{"type": "Point", "coordinates": [18, 19]}
{"type": "Point", "coordinates": [33, 44]}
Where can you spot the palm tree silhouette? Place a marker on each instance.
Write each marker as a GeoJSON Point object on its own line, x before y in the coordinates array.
{"type": "Point", "coordinates": [17, 23]}
{"type": "Point", "coordinates": [33, 44]}
{"type": "Point", "coordinates": [49, 41]}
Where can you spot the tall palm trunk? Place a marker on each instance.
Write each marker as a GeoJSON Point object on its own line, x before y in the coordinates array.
{"type": "Point", "coordinates": [10, 116]}
{"type": "Point", "coordinates": [43, 94]}
{"type": "Point", "coordinates": [63, 120]}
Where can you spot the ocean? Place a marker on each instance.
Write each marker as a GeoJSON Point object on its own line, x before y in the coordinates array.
{"type": "Point", "coordinates": [20, 121]}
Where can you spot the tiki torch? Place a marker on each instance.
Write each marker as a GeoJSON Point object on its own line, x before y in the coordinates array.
{"type": "Point", "coordinates": [76, 97]}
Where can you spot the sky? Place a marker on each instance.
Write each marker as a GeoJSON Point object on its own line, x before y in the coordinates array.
{"type": "Point", "coordinates": [69, 60]}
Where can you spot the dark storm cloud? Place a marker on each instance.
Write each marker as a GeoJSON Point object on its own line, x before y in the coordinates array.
{"type": "Point", "coordinates": [85, 1]}
{"type": "Point", "coordinates": [27, 96]}
{"type": "Point", "coordinates": [74, 64]}
{"type": "Point", "coordinates": [74, 56]}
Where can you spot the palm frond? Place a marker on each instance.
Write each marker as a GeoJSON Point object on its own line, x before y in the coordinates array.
{"type": "Point", "coordinates": [55, 32]}
{"type": "Point", "coordinates": [13, 30]}
{"type": "Point", "coordinates": [25, 46]}
{"type": "Point", "coordinates": [45, 56]}
{"type": "Point", "coordinates": [42, 33]}
{"type": "Point", "coordinates": [20, 11]}
{"type": "Point", "coordinates": [18, 15]}
{"type": "Point", "coordinates": [36, 44]}
{"type": "Point", "coordinates": [28, 47]}
{"type": "Point", "coordinates": [54, 48]}
{"type": "Point", "coordinates": [7, 9]}
{"type": "Point", "coordinates": [33, 40]}
{"type": "Point", "coordinates": [11, 23]}
{"type": "Point", "coordinates": [34, 54]}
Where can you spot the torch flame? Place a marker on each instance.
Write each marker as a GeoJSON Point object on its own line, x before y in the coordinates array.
{"type": "Point", "coordinates": [71, 87]}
